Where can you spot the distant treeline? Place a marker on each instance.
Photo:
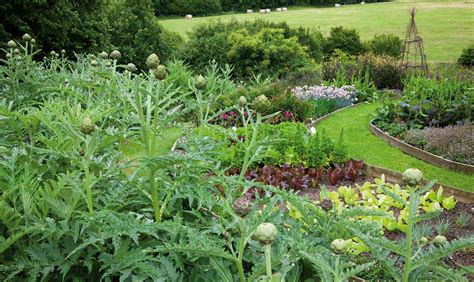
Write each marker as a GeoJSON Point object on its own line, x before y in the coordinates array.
{"type": "Point", "coordinates": [208, 7]}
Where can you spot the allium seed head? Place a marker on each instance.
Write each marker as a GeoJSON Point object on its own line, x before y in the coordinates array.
{"type": "Point", "coordinates": [153, 61]}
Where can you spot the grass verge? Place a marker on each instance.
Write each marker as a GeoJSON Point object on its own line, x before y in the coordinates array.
{"type": "Point", "coordinates": [375, 151]}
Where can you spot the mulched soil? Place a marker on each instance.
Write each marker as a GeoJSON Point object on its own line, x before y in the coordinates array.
{"type": "Point", "coordinates": [465, 257]}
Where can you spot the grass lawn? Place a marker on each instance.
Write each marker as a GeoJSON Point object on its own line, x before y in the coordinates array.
{"type": "Point", "coordinates": [445, 27]}
{"type": "Point", "coordinates": [373, 150]}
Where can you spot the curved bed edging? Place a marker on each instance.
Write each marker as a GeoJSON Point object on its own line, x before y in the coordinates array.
{"type": "Point", "coordinates": [421, 154]}
{"type": "Point", "coordinates": [396, 177]}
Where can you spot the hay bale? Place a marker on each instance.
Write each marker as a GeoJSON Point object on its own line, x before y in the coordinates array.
{"type": "Point", "coordinates": [284, 9]}
{"type": "Point", "coordinates": [262, 11]}
{"type": "Point", "coordinates": [278, 9]}
{"type": "Point", "coordinates": [337, 5]}
{"type": "Point", "coordinates": [188, 17]}
{"type": "Point", "coordinates": [249, 11]}
{"type": "Point", "coordinates": [267, 11]}
{"type": "Point", "coordinates": [362, 3]}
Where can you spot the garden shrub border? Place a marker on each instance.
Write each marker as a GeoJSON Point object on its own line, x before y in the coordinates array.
{"type": "Point", "coordinates": [419, 153]}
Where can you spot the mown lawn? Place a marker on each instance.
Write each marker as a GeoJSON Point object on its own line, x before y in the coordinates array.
{"type": "Point", "coordinates": [373, 150]}
{"type": "Point", "coordinates": [446, 27]}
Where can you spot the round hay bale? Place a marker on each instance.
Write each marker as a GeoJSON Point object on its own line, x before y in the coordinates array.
{"type": "Point", "coordinates": [249, 11]}
{"type": "Point", "coordinates": [267, 11]}
{"type": "Point", "coordinates": [188, 17]}
{"type": "Point", "coordinates": [284, 9]}
{"type": "Point", "coordinates": [262, 11]}
{"type": "Point", "coordinates": [337, 5]}
{"type": "Point", "coordinates": [278, 10]}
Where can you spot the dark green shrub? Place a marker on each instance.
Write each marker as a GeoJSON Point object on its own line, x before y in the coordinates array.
{"type": "Point", "coordinates": [304, 76]}
{"type": "Point", "coordinates": [467, 57]}
{"type": "Point", "coordinates": [136, 32]}
{"type": "Point", "coordinates": [386, 44]}
{"type": "Point", "coordinates": [384, 71]}
{"type": "Point", "coordinates": [209, 42]}
{"type": "Point", "coordinates": [346, 40]}
{"type": "Point", "coordinates": [267, 52]}
{"type": "Point", "coordinates": [76, 26]}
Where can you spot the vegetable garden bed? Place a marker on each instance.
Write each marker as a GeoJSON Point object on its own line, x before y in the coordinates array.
{"type": "Point", "coordinates": [419, 153]}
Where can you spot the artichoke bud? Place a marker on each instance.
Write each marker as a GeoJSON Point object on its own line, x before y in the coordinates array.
{"type": "Point", "coordinates": [52, 53]}
{"type": "Point", "coordinates": [153, 61]}
{"type": "Point", "coordinates": [103, 55]}
{"type": "Point", "coordinates": [243, 101]}
{"type": "Point", "coordinates": [265, 233]}
{"type": "Point", "coordinates": [326, 205]}
{"type": "Point", "coordinates": [339, 246]}
{"type": "Point", "coordinates": [200, 82]}
{"type": "Point", "coordinates": [87, 126]}
{"type": "Point", "coordinates": [160, 72]}
{"type": "Point", "coordinates": [32, 41]}
{"type": "Point", "coordinates": [131, 67]}
{"type": "Point", "coordinates": [16, 51]}
{"type": "Point", "coordinates": [11, 44]}
{"type": "Point", "coordinates": [26, 37]}
{"type": "Point", "coordinates": [423, 240]}
{"type": "Point", "coordinates": [242, 206]}
{"type": "Point", "coordinates": [115, 55]}
{"type": "Point", "coordinates": [63, 52]}
{"type": "Point", "coordinates": [439, 240]}
{"type": "Point", "coordinates": [412, 176]}
{"type": "Point", "coordinates": [94, 63]}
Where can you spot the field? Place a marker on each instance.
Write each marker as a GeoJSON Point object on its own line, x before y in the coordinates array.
{"type": "Point", "coordinates": [445, 27]}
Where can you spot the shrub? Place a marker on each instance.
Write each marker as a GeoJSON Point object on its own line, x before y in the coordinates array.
{"type": "Point", "coordinates": [386, 44]}
{"type": "Point", "coordinates": [137, 33]}
{"type": "Point", "coordinates": [304, 76]}
{"type": "Point", "coordinates": [76, 26]}
{"type": "Point", "coordinates": [346, 40]}
{"type": "Point", "coordinates": [383, 70]}
{"type": "Point", "coordinates": [267, 52]}
{"type": "Point", "coordinates": [210, 42]}
{"type": "Point", "coordinates": [467, 57]}
{"type": "Point", "coordinates": [451, 142]}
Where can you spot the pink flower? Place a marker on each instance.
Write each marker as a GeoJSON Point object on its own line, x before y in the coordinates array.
{"type": "Point", "coordinates": [246, 114]}
{"type": "Point", "coordinates": [232, 113]}
{"type": "Point", "coordinates": [287, 114]}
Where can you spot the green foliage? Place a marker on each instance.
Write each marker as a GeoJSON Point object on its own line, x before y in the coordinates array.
{"type": "Point", "coordinates": [194, 7]}
{"type": "Point", "coordinates": [345, 40]}
{"type": "Point", "coordinates": [252, 48]}
{"type": "Point", "coordinates": [467, 57]}
{"type": "Point", "coordinates": [135, 31]}
{"type": "Point", "coordinates": [76, 26]}
{"type": "Point", "coordinates": [385, 44]}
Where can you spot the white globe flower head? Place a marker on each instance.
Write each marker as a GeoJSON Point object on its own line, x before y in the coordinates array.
{"type": "Point", "coordinates": [312, 130]}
